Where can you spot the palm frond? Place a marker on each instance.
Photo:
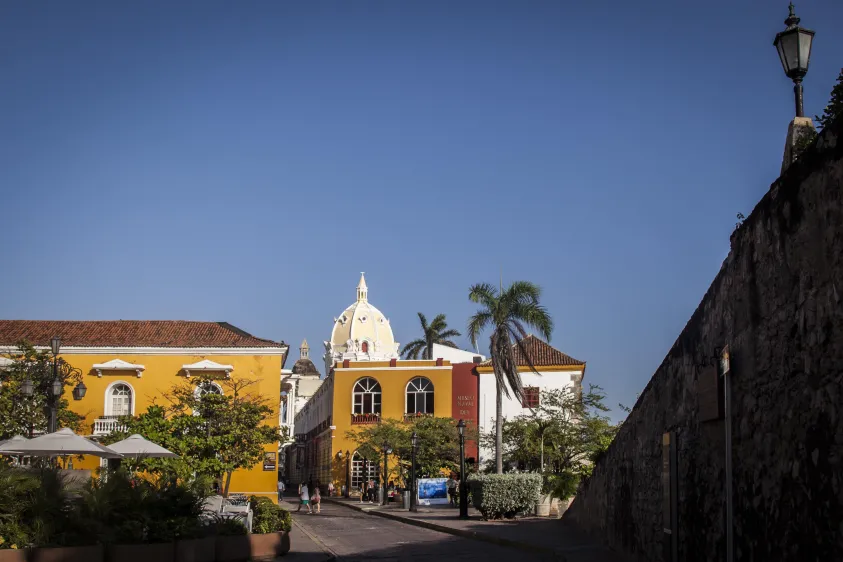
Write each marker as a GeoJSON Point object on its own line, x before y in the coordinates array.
{"type": "Point", "coordinates": [449, 334]}
{"type": "Point", "coordinates": [524, 292]}
{"type": "Point", "coordinates": [483, 293]}
{"type": "Point", "coordinates": [447, 343]}
{"type": "Point", "coordinates": [536, 316]}
{"type": "Point", "coordinates": [423, 321]}
{"type": "Point", "coordinates": [412, 349]}
{"type": "Point", "coordinates": [477, 324]}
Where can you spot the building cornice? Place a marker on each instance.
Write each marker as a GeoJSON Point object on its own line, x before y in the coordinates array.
{"type": "Point", "coordinates": [71, 350]}
{"type": "Point", "coordinates": [388, 368]}
{"type": "Point", "coordinates": [486, 369]}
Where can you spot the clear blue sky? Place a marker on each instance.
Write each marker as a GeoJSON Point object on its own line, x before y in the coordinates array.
{"type": "Point", "coordinates": [244, 161]}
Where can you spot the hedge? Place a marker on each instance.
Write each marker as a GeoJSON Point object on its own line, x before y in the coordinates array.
{"type": "Point", "coordinates": [499, 496]}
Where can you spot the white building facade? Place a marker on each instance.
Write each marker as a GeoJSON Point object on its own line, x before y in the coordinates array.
{"type": "Point", "coordinates": [556, 371]}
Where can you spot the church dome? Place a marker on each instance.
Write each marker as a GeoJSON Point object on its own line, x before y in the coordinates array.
{"type": "Point", "coordinates": [361, 332]}
{"type": "Point", "coordinates": [305, 367]}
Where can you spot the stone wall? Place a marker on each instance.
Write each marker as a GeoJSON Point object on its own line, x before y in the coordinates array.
{"type": "Point", "coordinates": [777, 303]}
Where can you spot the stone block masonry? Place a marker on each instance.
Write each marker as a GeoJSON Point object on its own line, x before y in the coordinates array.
{"type": "Point", "coordinates": [776, 303]}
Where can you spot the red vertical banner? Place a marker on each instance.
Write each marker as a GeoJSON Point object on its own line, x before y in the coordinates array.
{"type": "Point", "coordinates": [464, 391]}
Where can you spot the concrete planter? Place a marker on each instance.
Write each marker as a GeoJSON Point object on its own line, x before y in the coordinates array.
{"type": "Point", "coordinates": [95, 553]}
{"type": "Point", "coordinates": [269, 545]}
{"type": "Point", "coordinates": [234, 548]}
{"type": "Point", "coordinates": [160, 552]}
{"type": "Point", "coordinates": [559, 507]}
{"type": "Point", "coordinates": [13, 555]}
{"type": "Point", "coordinates": [196, 550]}
{"type": "Point", "coordinates": [543, 505]}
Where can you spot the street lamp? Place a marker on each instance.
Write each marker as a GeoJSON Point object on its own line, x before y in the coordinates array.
{"type": "Point", "coordinates": [463, 490]}
{"type": "Point", "coordinates": [794, 48]}
{"type": "Point", "coordinates": [415, 442]}
{"type": "Point", "coordinates": [56, 387]}
{"type": "Point", "coordinates": [386, 451]}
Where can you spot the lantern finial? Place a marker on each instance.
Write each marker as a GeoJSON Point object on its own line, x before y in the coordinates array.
{"type": "Point", "coordinates": [792, 19]}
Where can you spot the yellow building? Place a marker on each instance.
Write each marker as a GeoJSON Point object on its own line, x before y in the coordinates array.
{"type": "Point", "coordinates": [366, 382]}
{"type": "Point", "coordinates": [127, 365]}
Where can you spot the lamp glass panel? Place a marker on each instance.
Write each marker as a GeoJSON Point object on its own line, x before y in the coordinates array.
{"type": "Point", "coordinates": [780, 51]}
{"type": "Point", "coordinates": [57, 387]}
{"type": "Point", "coordinates": [805, 40]}
{"type": "Point", "coordinates": [791, 51]}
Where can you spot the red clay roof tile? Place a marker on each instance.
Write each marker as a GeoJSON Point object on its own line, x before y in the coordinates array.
{"type": "Point", "coordinates": [542, 354]}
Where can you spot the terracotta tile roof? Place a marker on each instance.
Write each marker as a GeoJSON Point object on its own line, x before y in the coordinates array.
{"type": "Point", "coordinates": [129, 333]}
{"type": "Point", "coordinates": [542, 354]}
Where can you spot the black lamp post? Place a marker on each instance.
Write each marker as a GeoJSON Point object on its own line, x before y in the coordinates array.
{"type": "Point", "coordinates": [56, 387]}
{"type": "Point", "coordinates": [386, 451]}
{"type": "Point", "coordinates": [794, 48]}
{"type": "Point", "coordinates": [347, 474]}
{"type": "Point", "coordinates": [463, 489]}
{"type": "Point", "coordinates": [413, 491]}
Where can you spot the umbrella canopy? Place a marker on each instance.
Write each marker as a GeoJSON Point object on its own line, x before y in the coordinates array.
{"type": "Point", "coordinates": [136, 446]}
{"type": "Point", "coordinates": [8, 446]}
{"type": "Point", "coordinates": [62, 442]}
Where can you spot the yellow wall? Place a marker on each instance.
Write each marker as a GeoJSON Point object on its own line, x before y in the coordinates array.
{"type": "Point", "coordinates": [161, 373]}
{"type": "Point", "coordinates": [393, 381]}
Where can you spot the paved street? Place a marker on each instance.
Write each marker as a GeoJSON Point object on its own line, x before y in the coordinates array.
{"type": "Point", "coordinates": [353, 535]}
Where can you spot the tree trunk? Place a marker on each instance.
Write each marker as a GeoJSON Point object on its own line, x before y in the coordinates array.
{"type": "Point", "coordinates": [227, 484]}
{"type": "Point", "coordinates": [542, 449]}
{"type": "Point", "coordinates": [498, 428]}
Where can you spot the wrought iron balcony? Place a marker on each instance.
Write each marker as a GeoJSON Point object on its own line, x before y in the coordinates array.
{"type": "Point", "coordinates": [412, 416]}
{"type": "Point", "coordinates": [363, 419]}
{"type": "Point", "coordinates": [104, 425]}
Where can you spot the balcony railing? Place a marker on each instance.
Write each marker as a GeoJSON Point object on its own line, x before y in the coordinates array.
{"type": "Point", "coordinates": [412, 416]}
{"type": "Point", "coordinates": [363, 419]}
{"type": "Point", "coordinates": [106, 424]}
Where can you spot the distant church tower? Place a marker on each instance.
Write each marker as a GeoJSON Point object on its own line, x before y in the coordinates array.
{"type": "Point", "coordinates": [304, 350]}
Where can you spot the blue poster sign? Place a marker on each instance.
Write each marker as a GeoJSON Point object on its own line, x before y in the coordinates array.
{"type": "Point", "coordinates": [433, 491]}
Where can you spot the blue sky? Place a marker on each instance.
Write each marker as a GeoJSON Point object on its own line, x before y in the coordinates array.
{"type": "Point", "coordinates": [245, 161]}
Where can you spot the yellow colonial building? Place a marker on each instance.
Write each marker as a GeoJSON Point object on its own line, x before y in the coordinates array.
{"type": "Point", "coordinates": [366, 382]}
{"type": "Point", "coordinates": [129, 365]}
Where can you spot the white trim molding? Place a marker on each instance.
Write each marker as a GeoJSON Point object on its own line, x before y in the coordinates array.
{"type": "Point", "coordinates": [207, 365]}
{"type": "Point", "coordinates": [80, 350]}
{"type": "Point", "coordinates": [117, 365]}
{"type": "Point", "coordinates": [442, 368]}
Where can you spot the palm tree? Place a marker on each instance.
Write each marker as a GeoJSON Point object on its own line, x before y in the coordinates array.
{"type": "Point", "coordinates": [506, 313]}
{"type": "Point", "coordinates": [436, 332]}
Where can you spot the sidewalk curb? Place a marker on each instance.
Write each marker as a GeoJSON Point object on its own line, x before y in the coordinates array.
{"type": "Point", "coordinates": [330, 555]}
{"type": "Point", "coordinates": [456, 532]}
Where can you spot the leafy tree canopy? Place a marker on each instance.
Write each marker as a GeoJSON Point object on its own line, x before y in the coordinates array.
{"type": "Point", "coordinates": [834, 109]}
{"type": "Point", "coordinates": [28, 415]}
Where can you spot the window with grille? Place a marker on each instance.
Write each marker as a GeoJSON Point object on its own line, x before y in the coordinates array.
{"type": "Point", "coordinates": [120, 400]}
{"type": "Point", "coordinates": [419, 396]}
{"type": "Point", "coordinates": [367, 396]}
{"type": "Point", "coordinates": [531, 397]}
{"type": "Point", "coordinates": [362, 470]}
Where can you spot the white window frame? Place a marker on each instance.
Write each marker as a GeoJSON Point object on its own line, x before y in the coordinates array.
{"type": "Point", "coordinates": [107, 407]}
{"type": "Point", "coordinates": [355, 392]}
{"type": "Point", "coordinates": [420, 391]}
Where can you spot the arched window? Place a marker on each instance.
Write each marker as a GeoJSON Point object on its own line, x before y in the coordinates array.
{"type": "Point", "coordinates": [119, 400]}
{"type": "Point", "coordinates": [362, 469]}
{"type": "Point", "coordinates": [364, 347]}
{"type": "Point", "coordinates": [367, 396]}
{"type": "Point", "coordinates": [420, 396]}
{"type": "Point", "coordinates": [207, 387]}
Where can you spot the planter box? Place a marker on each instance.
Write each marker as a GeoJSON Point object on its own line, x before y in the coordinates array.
{"type": "Point", "coordinates": [559, 507]}
{"type": "Point", "coordinates": [13, 555]}
{"type": "Point", "coordinates": [95, 553]}
{"type": "Point", "coordinates": [268, 546]}
{"type": "Point", "coordinates": [160, 552]}
{"type": "Point", "coordinates": [196, 550]}
{"type": "Point", "coordinates": [235, 548]}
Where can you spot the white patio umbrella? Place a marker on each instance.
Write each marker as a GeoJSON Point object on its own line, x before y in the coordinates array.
{"type": "Point", "coordinates": [62, 442]}
{"type": "Point", "coordinates": [7, 447]}
{"type": "Point", "coordinates": [136, 446]}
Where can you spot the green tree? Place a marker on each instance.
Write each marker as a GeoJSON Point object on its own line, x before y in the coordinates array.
{"type": "Point", "coordinates": [834, 109]}
{"type": "Point", "coordinates": [506, 313]}
{"type": "Point", "coordinates": [213, 433]}
{"type": "Point", "coordinates": [27, 415]}
{"type": "Point", "coordinates": [435, 332]}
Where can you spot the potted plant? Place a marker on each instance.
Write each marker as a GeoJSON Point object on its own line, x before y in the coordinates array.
{"type": "Point", "coordinates": [271, 526]}
{"type": "Point", "coordinates": [92, 553]}
{"type": "Point", "coordinates": [12, 541]}
{"type": "Point", "coordinates": [196, 543]}
{"type": "Point", "coordinates": [557, 489]}
{"type": "Point", "coordinates": [232, 543]}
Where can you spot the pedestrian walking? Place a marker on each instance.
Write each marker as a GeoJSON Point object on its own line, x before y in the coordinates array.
{"type": "Point", "coordinates": [281, 488]}
{"type": "Point", "coordinates": [304, 496]}
{"type": "Point", "coordinates": [452, 490]}
{"type": "Point", "coordinates": [330, 489]}
{"type": "Point", "coordinates": [364, 491]}
{"type": "Point", "coordinates": [317, 499]}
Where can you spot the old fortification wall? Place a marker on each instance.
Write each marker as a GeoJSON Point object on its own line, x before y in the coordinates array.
{"type": "Point", "coordinates": [777, 303]}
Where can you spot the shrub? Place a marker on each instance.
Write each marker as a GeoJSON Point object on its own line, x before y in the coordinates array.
{"type": "Point", "coordinates": [268, 517]}
{"type": "Point", "coordinates": [226, 526]}
{"type": "Point", "coordinates": [561, 485]}
{"type": "Point", "coordinates": [504, 495]}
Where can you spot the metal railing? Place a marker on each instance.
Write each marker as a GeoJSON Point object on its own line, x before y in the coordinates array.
{"type": "Point", "coordinates": [106, 424]}
{"type": "Point", "coordinates": [410, 416]}
{"type": "Point", "coordinates": [363, 419]}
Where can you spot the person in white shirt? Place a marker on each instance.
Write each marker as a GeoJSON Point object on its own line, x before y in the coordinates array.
{"type": "Point", "coordinates": [280, 490]}
{"type": "Point", "coordinates": [304, 494]}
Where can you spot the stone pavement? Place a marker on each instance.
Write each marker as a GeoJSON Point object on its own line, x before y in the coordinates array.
{"type": "Point", "coordinates": [355, 535]}
{"type": "Point", "coordinates": [538, 535]}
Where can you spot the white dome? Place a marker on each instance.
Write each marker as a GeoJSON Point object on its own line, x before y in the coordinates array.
{"type": "Point", "coordinates": [361, 332]}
